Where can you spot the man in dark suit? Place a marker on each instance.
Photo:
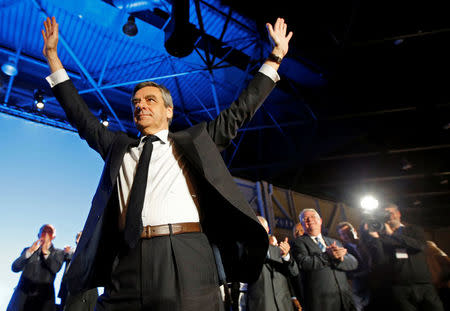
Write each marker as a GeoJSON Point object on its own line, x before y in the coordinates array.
{"type": "Point", "coordinates": [272, 291]}
{"type": "Point", "coordinates": [322, 262]}
{"type": "Point", "coordinates": [83, 301]}
{"type": "Point", "coordinates": [401, 279]}
{"type": "Point", "coordinates": [39, 264]}
{"type": "Point", "coordinates": [359, 278]}
{"type": "Point", "coordinates": [148, 241]}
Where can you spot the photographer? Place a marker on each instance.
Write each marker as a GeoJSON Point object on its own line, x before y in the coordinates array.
{"type": "Point", "coordinates": [400, 277]}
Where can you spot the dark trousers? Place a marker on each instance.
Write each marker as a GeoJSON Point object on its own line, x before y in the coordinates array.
{"type": "Point", "coordinates": [175, 272]}
{"type": "Point", "coordinates": [417, 297]}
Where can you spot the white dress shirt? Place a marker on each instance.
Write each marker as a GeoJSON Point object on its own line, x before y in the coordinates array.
{"type": "Point", "coordinates": [170, 195]}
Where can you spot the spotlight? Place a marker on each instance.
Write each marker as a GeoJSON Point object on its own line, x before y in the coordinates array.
{"type": "Point", "coordinates": [104, 119]}
{"type": "Point", "coordinates": [369, 203]}
{"type": "Point", "coordinates": [130, 28]}
{"type": "Point", "coordinates": [39, 99]}
{"type": "Point", "coordinates": [10, 67]}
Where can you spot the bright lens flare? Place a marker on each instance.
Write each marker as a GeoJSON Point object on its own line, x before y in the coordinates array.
{"type": "Point", "coordinates": [369, 203]}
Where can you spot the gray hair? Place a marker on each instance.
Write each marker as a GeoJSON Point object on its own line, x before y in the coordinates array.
{"type": "Point", "coordinates": [302, 214]}
{"type": "Point", "coordinates": [391, 205]}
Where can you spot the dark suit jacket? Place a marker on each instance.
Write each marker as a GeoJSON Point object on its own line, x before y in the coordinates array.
{"type": "Point", "coordinates": [35, 290]}
{"type": "Point", "coordinates": [243, 249]}
{"type": "Point", "coordinates": [324, 281]}
{"type": "Point", "coordinates": [388, 269]}
{"type": "Point", "coordinates": [271, 292]}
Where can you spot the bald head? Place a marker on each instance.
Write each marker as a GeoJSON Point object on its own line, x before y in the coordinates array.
{"type": "Point", "coordinates": [264, 223]}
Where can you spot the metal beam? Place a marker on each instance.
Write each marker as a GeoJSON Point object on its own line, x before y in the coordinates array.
{"type": "Point", "coordinates": [381, 179]}
{"type": "Point", "coordinates": [20, 113]}
{"type": "Point", "coordinates": [83, 69]}
{"type": "Point", "coordinates": [37, 62]}
{"type": "Point", "coordinates": [377, 153]}
{"type": "Point", "coordinates": [236, 149]}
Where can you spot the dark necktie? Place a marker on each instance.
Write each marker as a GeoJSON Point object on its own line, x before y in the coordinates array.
{"type": "Point", "coordinates": [133, 225]}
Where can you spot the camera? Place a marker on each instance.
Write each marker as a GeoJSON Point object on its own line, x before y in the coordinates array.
{"type": "Point", "coordinates": [376, 219]}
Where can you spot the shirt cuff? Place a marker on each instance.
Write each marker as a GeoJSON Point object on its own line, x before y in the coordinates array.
{"type": "Point", "coordinates": [286, 258]}
{"type": "Point", "coordinates": [59, 76]}
{"type": "Point", "coordinates": [270, 72]}
{"type": "Point", "coordinates": [28, 254]}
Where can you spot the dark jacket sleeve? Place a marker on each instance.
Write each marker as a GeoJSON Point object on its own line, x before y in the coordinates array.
{"type": "Point", "coordinates": [225, 127]}
{"type": "Point", "coordinates": [54, 261]}
{"type": "Point", "coordinates": [350, 263]}
{"type": "Point", "coordinates": [411, 238]}
{"type": "Point", "coordinates": [307, 261]}
{"type": "Point", "coordinates": [89, 127]}
{"type": "Point", "coordinates": [20, 262]}
{"type": "Point", "coordinates": [291, 267]}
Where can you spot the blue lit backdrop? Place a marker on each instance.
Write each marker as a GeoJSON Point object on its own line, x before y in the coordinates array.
{"type": "Point", "coordinates": [47, 176]}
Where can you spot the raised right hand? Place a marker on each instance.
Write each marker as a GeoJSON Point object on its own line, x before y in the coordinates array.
{"type": "Point", "coordinates": [35, 246]}
{"type": "Point", "coordinates": [50, 36]}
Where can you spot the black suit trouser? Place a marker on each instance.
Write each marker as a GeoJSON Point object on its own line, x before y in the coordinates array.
{"type": "Point", "coordinates": [175, 272]}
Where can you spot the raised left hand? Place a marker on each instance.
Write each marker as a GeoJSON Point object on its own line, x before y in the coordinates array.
{"type": "Point", "coordinates": [278, 37]}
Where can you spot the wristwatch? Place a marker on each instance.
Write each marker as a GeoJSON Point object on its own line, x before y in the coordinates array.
{"type": "Point", "coordinates": [275, 58]}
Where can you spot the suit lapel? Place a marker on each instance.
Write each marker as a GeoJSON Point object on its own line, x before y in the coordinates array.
{"type": "Point", "coordinates": [313, 245]}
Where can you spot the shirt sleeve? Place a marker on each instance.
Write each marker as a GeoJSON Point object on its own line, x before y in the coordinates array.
{"type": "Point", "coordinates": [57, 77]}
{"type": "Point", "coordinates": [270, 72]}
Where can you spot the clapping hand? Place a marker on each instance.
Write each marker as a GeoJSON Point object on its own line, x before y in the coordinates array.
{"type": "Point", "coordinates": [336, 251]}
{"type": "Point", "coordinates": [284, 247]}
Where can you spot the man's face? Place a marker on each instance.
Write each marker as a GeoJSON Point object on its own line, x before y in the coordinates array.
{"type": "Point", "coordinates": [312, 223]}
{"type": "Point", "coordinates": [394, 216]}
{"type": "Point", "coordinates": [150, 113]}
{"type": "Point", "coordinates": [298, 230]}
{"type": "Point", "coordinates": [347, 235]}
{"type": "Point", "coordinates": [46, 234]}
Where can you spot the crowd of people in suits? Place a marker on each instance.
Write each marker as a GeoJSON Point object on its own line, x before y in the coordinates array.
{"type": "Point", "coordinates": [390, 269]}
{"type": "Point", "coordinates": [393, 268]}
{"type": "Point", "coordinates": [39, 265]}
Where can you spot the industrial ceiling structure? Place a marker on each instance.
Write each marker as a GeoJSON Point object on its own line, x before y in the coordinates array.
{"type": "Point", "coordinates": [363, 105]}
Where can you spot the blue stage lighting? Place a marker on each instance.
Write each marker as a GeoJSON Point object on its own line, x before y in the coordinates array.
{"type": "Point", "coordinates": [10, 67]}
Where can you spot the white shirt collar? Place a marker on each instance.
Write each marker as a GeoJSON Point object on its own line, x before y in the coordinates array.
{"type": "Point", "coordinates": [317, 236]}
{"type": "Point", "coordinates": [162, 135]}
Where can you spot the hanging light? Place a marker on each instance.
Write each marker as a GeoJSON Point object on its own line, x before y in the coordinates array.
{"type": "Point", "coordinates": [39, 99]}
{"type": "Point", "coordinates": [104, 118]}
{"type": "Point", "coordinates": [10, 67]}
{"type": "Point", "coordinates": [130, 28]}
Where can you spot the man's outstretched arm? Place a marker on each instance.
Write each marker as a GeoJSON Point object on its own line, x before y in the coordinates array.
{"type": "Point", "coordinates": [50, 50]}
{"type": "Point", "coordinates": [225, 127]}
{"type": "Point", "coordinates": [77, 112]}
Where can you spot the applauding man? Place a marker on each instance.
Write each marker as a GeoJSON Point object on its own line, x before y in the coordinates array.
{"type": "Point", "coordinates": [322, 262]}
{"type": "Point", "coordinates": [39, 264]}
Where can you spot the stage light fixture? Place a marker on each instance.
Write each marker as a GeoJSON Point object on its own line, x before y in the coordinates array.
{"type": "Point", "coordinates": [39, 100]}
{"type": "Point", "coordinates": [369, 203]}
{"type": "Point", "coordinates": [10, 67]}
{"type": "Point", "coordinates": [104, 118]}
{"type": "Point", "coordinates": [130, 28]}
